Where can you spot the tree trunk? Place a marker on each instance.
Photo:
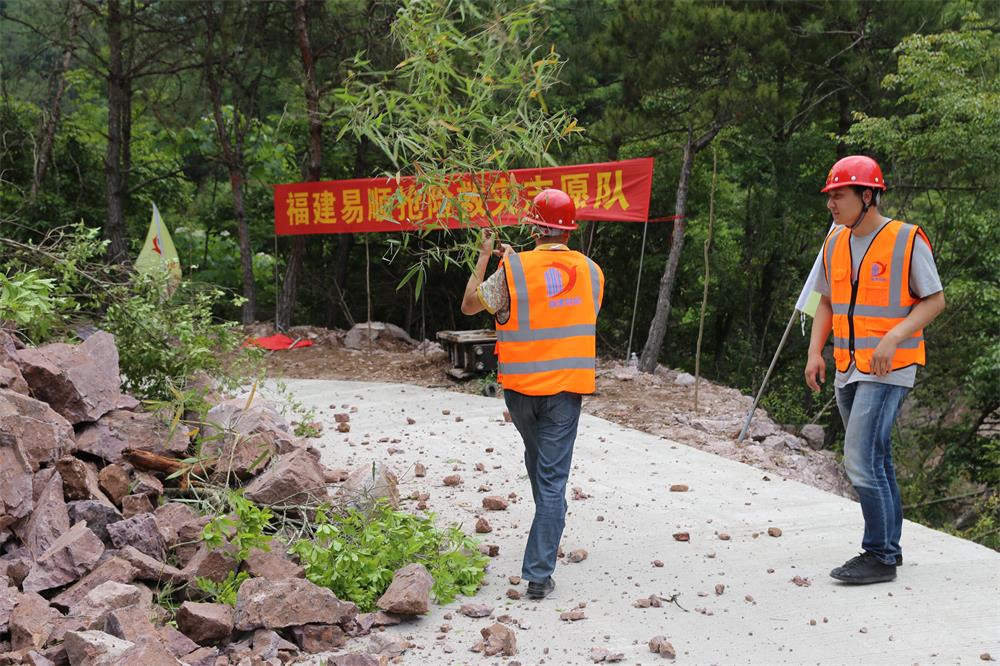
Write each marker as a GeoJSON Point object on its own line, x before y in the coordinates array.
{"type": "Point", "coordinates": [47, 131]}
{"type": "Point", "coordinates": [658, 327]}
{"type": "Point", "coordinates": [114, 178]}
{"type": "Point", "coordinates": [233, 159]}
{"type": "Point", "coordinates": [289, 288]}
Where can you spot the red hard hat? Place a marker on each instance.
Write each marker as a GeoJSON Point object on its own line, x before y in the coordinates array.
{"type": "Point", "coordinates": [855, 170]}
{"type": "Point", "coordinates": [553, 209]}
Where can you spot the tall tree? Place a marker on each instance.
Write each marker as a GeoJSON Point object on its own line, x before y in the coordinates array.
{"type": "Point", "coordinates": [236, 60]}
{"type": "Point", "coordinates": [704, 74]}
{"type": "Point", "coordinates": [49, 122]}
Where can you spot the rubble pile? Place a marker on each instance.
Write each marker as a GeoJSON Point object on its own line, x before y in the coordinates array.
{"type": "Point", "coordinates": [91, 539]}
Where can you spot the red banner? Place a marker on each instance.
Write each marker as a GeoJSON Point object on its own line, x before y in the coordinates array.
{"type": "Point", "coordinates": [612, 191]}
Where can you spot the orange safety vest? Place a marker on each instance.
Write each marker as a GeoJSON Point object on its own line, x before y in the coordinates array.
{"type": "Point", "coordinates": [548, 343]}
{"type": "Point", "coordinates": [867, 308]}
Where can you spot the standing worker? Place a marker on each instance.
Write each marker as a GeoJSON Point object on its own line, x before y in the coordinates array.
{"type": "Point", "coordinates": [545, 302]}
{"type": "Point", "coordinates": [879, 288]}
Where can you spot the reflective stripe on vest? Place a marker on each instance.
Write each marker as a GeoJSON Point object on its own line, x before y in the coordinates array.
{"type": "Point", "coordinates": [865, 308]}
{"type": "Point", "coordinates": [555, 351]}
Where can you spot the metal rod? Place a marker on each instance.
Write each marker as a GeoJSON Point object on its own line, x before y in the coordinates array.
{"type": "Point", "coordinates": [638, 281]}
{"type": "Point", "coordinates": [763, 384]}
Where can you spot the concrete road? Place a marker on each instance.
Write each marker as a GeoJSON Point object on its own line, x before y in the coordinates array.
{"type": "Point", "coordinates": [944, 607]}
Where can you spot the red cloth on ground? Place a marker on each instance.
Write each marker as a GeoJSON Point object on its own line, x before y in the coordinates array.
{"type": "Point", "coordinates": [277, 342]}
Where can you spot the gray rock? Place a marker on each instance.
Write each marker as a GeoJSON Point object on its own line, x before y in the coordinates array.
{"type": "Point", "coordinates": [367, 484]}
{"type": "Point", "coordinates": [97, 515]}
{"type": "Point", "coordinates": [814, 435]}
{"type": "Point", "coordinates": [361, 334]}
{"type": "Point", "coordinates": [141, 532]}
{"type": "Point", "coordinates": [684, 379]}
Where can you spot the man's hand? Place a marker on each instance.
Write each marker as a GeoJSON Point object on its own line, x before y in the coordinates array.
{"type": "Point", "coordinates": [506, 250]}
{"type": "Point", "coordinates": [816, 365]}
{"type": "Point", "coordinates": [882, 356]}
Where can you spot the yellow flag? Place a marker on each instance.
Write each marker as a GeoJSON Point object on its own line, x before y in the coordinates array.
{"type": "Point", "coordinates": [158, 251]}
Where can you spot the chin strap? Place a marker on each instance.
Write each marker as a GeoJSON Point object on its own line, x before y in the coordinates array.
{"type": "Point", "coordinates": [864, 211]}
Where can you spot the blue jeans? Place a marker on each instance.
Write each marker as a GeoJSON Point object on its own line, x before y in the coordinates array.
{"type": "Point", "coordinates": [548, 427]}
{"type": "Point", "coordinates": [869, 411]}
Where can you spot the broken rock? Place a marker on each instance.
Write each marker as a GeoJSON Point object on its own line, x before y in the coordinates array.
{"type": "Point", "coordinates": [261, 603]}
{"type": "Point", "coordinates": [603, 655]}
{"type": "Point", "coordinates": [140, 532]}
{"type": "Point", "coordinates": [476, 610]}
{"type": "Point", "coordinates": [578, 555]}
{"type": "Point", "coordinates": [497, 639]}
{"type": "Point", "coordinates": [80, 480]}
{"type": "Point", "coordinates": [120, 429]}
{"type": "Point", "coordinates": [205, 623]}
{"type": "Point", "coordinates": [70, 557]}
{"type": "Point", "coordinates": [494, 503]}
{"type": "Point", "coordinates": [80, 382]}
{"type": "Point", "coordinates": [370, 483]}
{"type": "Point", "coordinates": [16, 500]}
{"type": "Point", "coordinates": [661, 646]}
{"type": "Point", "coordinates": [133, 505]}
{"type": "Point", "coordinates": [295, 478]}
{"type": "Point", "coordinates": [315, 638]}
{"type": "Point", "coordinates": [114, 568]}
{"type": "Point", "coordinates": [43, 435]}
{"type": "Point", "coordinates": [48, 521]}
{"type": "Point", "coordinates": [409, 592]}
{"type": "Point", "coordinates": [97, 515]}
{"type": "Point", "coordinates": [32, 621]}
{"type": "Point", "coordinates": [483, 526]}
{"type": "Point", "coordinates": [94, 648]}
{"type": "Point", "coordinates": [113, 480]}
{"type": "Point", "coordinates": [272, 564]}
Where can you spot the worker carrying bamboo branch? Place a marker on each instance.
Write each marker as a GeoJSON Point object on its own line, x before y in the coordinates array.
{"type": "Point", "coordinates": [880, 289]}
{"type": "Point", "coordinates": [545, 302]}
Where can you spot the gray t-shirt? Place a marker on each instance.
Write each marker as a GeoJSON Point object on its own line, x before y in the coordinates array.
{"type": "Point", "coordinates": [924, 282]}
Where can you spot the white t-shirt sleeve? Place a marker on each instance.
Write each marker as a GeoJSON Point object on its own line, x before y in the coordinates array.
{"type": "Point", "coordinates": [924, 278]}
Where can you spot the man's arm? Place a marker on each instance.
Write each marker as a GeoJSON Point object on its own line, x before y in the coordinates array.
{"type": "Point", "coordinates": [922, 314]}
{"type": "Point", "coordinates": [471, 303]}
{"type": "Point", "coordinates": [822, 325]}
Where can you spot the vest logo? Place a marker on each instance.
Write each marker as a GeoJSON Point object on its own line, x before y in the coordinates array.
{"type": "Point", "coordinates": [556, 286]}
{"type": "Point", "coordinates": [878, 270]}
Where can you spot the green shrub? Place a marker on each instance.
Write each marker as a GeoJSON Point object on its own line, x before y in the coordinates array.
{"type": "Point", "coordinates": [162, 341]}
{"type": "Point", "coordinates": [28, 301]}
{"type": "Point", "coordinates": [356, 554]}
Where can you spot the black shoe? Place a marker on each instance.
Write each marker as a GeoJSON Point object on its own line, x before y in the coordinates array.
{"type": "Point", "coordinates": [899, 560]}
{"type": "Point", "coordinates": [540, 590]}
{"type": "Point", "coordinates": [864, 569]}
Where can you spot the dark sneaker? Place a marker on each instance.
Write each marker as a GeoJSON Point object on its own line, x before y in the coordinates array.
{"type": "Point", "coordinates": [540, 590]}
{"type": "Point", "coordinates": [864, 569]}
{"type": "Point", "coordinates": [899, 560]}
